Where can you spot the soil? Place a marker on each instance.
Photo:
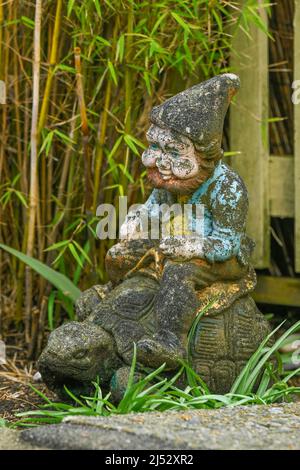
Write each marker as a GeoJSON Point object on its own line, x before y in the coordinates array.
{"type": "Point", "coordinates": [16, 395]}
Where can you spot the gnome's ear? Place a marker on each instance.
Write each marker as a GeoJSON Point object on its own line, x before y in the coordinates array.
{"type": "Point", "coordinates": [212, 152]}
{"type": "Point", "coordinates": [234, 85]}
{"type": "Point", "coordinates": [231, 92]}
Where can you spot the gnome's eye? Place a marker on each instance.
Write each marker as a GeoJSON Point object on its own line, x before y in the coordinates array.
{"type": "Point", "coordinates": [154, 147]}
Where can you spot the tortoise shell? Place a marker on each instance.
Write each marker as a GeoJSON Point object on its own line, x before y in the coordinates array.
{"type": "Point", "coordinates": [222, 343]}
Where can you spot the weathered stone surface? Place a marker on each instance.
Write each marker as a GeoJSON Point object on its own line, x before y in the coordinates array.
{"type": "Point", "coordinates": [10, 440]}
{"type": "Point", "coordinates": [251, 427]}
{"type": "Point", "coordinates": [196, 262]}
{"type": "Point", "coordinates": [198, 112]}
{"type": "Point", "coordinates": [79, 351]}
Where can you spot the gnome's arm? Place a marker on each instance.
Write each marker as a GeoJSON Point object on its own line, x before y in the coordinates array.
{"type": "Point", "coordinates": [229, 207]}
{"type": "Point", "coordinates": [132, 226]}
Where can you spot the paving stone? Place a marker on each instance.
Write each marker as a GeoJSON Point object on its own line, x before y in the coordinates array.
{"type": "Point", "coordinates": [250, 427]}
{"type": "Point", "coordinates": [10, 440]}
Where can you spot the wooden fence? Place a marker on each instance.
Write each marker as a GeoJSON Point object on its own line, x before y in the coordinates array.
{"type": "Point", "coordinates": [273, 181]}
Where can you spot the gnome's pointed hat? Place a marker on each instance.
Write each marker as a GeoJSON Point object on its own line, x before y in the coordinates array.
{"type": "Point", "coordinates": [199, 111]}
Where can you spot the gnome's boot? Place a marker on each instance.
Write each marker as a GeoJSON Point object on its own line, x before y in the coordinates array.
{"type": "Point", "coordinates": [175, 307]}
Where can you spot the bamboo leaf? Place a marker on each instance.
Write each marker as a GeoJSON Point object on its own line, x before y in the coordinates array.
{"type": "Point", "coordinates": [147, 82]}
{"type": "Point", "coordinates": [72, 249]}
{"type": "Point", "coordinates": [180, 21]}
{"type": "Point", "coordinates": [60, 281]}
{"type": "Point", "coordinates": [131, 144]}
{"type": "Point", "coordinates": [51, 303]}
{"type": "Point", "coordinates": [98, 8]}
{"type": "Point", "coordinates": [70, 7]}
{"type": "Point", "coordinates": [83, 252]}
{"type": "Point", "coordinates": [115, 147]}
{"type": "Point", "coordinates": [112, 72]}
{"type": "Point", "coordinates": [120, 48]}
{"type": "Point", "coordinates": [57, 245]}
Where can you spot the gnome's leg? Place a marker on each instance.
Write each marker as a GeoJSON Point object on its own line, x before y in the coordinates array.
{"type": "Point", "coordinates": [175, 308]}
{"type": "Point", "coordinates": [124, 256]}
{"type": "Point", "coordinates": [177, 302]}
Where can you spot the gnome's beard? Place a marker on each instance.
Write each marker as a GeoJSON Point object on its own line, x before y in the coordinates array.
{"type": "Point", "coordinates": [175, 163]}
{"type": "Point", "coordinates": [177, 185]}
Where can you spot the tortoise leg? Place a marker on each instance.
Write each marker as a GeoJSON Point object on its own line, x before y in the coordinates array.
{"type": "Point", "coordinates": [162, 348]}
{"type": "Point", "coordinates": [119, 381]}
{"type": "Point", "coordinates": [90, 298]}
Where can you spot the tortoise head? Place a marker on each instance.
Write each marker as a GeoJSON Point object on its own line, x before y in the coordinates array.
{"type": "Point", "coordinates": [76, 354]}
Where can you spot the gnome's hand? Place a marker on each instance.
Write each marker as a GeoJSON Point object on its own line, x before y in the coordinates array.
{"type": "Point", "coordinates": [130, 230]}
{"type": "Point", "coordinates": [135, 226]}
{"type": "Point", "coordinates": [182, 247]}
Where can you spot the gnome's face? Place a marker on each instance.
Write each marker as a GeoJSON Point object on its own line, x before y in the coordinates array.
{"type": "Point", "coordinates": [192, 117]}
{"type": "Point", "coordinates": [170, 158]}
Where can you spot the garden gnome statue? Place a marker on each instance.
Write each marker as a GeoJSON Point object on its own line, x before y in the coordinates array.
{"type": "Point", "coordinates": [184, 162]}
{"type": "Point", "coordinates": [160, 286]}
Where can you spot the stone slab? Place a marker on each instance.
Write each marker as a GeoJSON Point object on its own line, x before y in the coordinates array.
{"type": "Point", "coordinates": [250, 427]}
{"type": "Point", "coordinates": [10, 440]}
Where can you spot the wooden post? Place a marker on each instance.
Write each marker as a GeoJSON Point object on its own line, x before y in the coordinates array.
{"type": "Point", "coordinates": [249, 134]}
{"type": "Point", "coordinates": [297, 133]}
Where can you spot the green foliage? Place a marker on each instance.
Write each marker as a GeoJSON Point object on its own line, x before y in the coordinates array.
{"type": "Point", "coordinates": [260, 382]}
{"type": "Point", "coordinates": [61, 282]}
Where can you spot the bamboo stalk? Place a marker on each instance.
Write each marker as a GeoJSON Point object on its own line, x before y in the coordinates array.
{"type": "Point", "coordinates": [17, 104]}
{"type": "Point", "coordinates": [53, 54]}
{"type": "Point", "coordinates": [1, 240]}
{"type": "Point", "coordinates": [41, 325]}
{"type": "Point", "coordinates": [24, 176]}
{"type": "Point", "coordinates": [100, 144]}
{"type": "Point", "coordinates": [61, 188]}
{"type": "Point", "coordinates": [4, 66]}
{"type": "Point", "coordinates": [33, 203]}
{"type": "Point", "coordinates": [84, 130]}
{"type": "Point", "coordinates": [52, 65]}
{"type": "Point", "coordinates": [1, 40]}
{"type": "Point", "coordinates": [52, 236]}
{"type": "Point", "coordinates": [4, 58]}
{"type": "Point", "coordinates": [102, 130]}
{"type": "Point", "coordinates": [128, 88]}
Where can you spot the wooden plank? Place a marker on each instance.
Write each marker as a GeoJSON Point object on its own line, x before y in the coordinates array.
{"type": "Point", "coordinates": [297, 135]}
{"type": "Point", "coordinates": [281, 186]}
{"type": "Point", "coordinates": [248, 134]}
{"type": "Point", "coordinates": [277, 291]}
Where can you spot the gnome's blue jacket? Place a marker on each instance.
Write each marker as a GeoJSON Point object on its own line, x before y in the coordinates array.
{"type": "Point", "coordinates": [225, 200]}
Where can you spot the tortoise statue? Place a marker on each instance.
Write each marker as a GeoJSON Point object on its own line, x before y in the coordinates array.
{"type": "Point", "coordinates": [195, 267]}
{"type": "Point", "coordinates": [101, 344]}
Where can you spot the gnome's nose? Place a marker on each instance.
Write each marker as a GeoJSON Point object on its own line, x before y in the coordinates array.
{"type": "Point", "coordinates": [163, 163]}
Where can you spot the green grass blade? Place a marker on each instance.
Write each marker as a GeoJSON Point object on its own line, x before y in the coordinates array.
{"type": "Point", "coordinates": [257, 370]}
{"type": "Point", "coordinates": [239, 383]}
{"type": "Point", "coordinates": [291, 374]}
